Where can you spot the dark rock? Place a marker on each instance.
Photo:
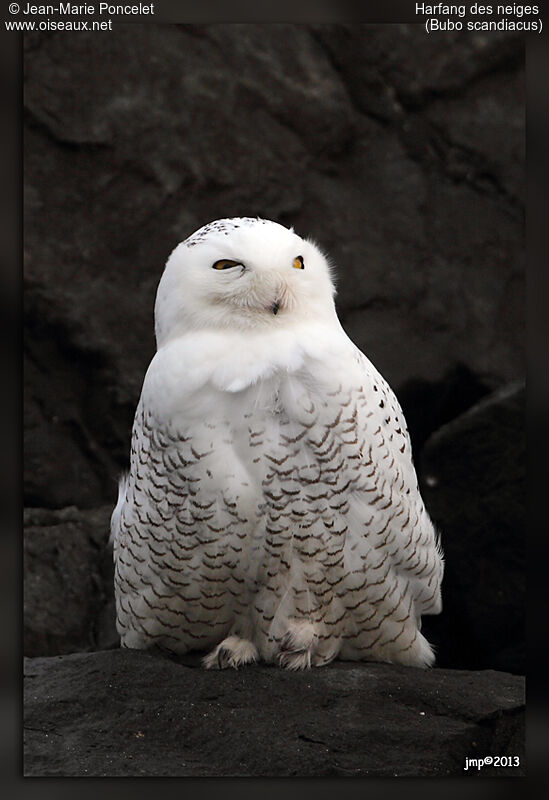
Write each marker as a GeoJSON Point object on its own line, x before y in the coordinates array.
{"type": "Point", "coordinates": [68, 582]}
{"type": "Point", "coordinates": [390, 68]}
{"type": "Point", "coordinates": [401, 154]}
{"type": "Point", "coordinates": [131, 713]}
{"type": "Point", "coordinates": [428, 405]}
{"type": "Point", "coordinates": [472, 475]}
{"type": "Point", "coordinates": [71, 410]}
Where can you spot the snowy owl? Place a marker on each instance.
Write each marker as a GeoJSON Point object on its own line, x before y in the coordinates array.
{"type": "Point", "coordinates": [271, 510]}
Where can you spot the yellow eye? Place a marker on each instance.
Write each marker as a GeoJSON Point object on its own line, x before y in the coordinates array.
{"type": "Point", "coordinates": [298, 262]}
{"type": "Point", "coordinates": [225, 263]}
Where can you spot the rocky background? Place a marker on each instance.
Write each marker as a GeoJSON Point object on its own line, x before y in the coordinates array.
{"type": "Point", "coordinates": [402, 156]}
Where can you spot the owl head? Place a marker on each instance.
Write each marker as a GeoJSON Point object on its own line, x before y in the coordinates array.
{"type": "Point", "coordinates": [242, 273]}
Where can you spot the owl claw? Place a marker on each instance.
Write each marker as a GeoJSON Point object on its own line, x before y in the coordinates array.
{"type": "Point", "coordinates": [295, 659]}
{"type": "Point", "coordinates": [224, 658]}
{"type": "Point", "coordinates": [232, 652]}
{"type": "Point", "coordinates": [297, 646]}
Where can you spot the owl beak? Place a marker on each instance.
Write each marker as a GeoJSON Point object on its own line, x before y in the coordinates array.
{"type": "Point", "coordinates": [275, 307]}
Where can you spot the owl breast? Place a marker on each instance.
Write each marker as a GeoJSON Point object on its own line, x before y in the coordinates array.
{"type": "Point", "coordinates": [289, 503]}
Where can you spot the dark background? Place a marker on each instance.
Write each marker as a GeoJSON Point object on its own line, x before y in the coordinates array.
{"type": "Point", "coordinates": [402, 155]}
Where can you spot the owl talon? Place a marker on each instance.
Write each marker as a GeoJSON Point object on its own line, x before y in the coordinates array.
{"type": "Point", "coordinates": [224, 658]}
{"type": "Point", "coordinates": [297, 645]}
{"type": "Point", "coordinates": [233, 652]}
{"type": "Point", "coordinates": [295, 659]}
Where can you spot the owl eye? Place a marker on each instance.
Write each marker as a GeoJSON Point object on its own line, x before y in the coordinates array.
{"type": "Point", "coordinates": [225, 263]}
{"type": "Point", "coordinates": [298, 262]}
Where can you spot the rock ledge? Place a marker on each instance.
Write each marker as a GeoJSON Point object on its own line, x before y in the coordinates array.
{"type": "Point", "coordinates": [132, 713]}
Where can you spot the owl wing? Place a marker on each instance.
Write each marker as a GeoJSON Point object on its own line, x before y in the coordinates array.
{"type": "Point", "coordinates": [185, 512]}
{"type": "Point", "coordinates": [362, 444]}
{"type": "Point", "coordinates": [401, 527]}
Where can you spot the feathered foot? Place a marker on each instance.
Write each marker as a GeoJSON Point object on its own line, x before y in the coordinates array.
{"type": "Point", "coordinates": [298, 645]}
{"type": "Point", "coordinates": [231, 652]}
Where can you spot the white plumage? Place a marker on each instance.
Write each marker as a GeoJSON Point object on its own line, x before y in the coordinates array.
{"type": "Point", "coordinates": [271, 510]}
